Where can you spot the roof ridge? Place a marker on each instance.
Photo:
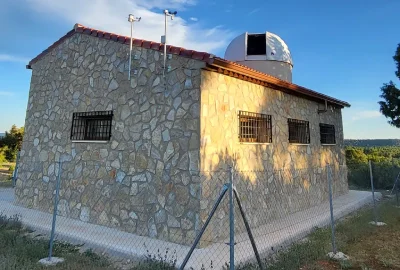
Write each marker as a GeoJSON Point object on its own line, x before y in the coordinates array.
{"type": "Point", "coordinates": [209, 59]}
{"type": "Point", "coordinates": [79, 28]}
{"type": "Point", "coordinates": [148, 44]}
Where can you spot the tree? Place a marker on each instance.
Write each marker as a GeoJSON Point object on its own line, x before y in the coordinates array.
{"type": "Point", "coordinates": [11, 143]}
{"type": "Point", "coordinates": [355, 156]}
{"type": "Point", "coordinates": [390, 106]}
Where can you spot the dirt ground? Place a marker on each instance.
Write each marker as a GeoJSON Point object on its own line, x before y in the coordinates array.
{"type": "Point", "coordinates": [373, 248]}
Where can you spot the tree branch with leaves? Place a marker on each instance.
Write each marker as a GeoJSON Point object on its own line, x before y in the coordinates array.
{"type": "Point", "coordinates": [11, 143]}
{"type": "Point", "coordinates": [390, 106]}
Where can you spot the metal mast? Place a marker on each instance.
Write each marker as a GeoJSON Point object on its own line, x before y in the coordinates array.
{"type": "Point", "coordinates": [172, 15]}
{"type": "Point", "coordinates": [131, 19]}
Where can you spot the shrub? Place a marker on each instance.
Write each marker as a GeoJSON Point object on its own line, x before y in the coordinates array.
{"type": "Point", "coordinates": [384, 175]}
{"type": "Point", "coordinates": [159, 261]}
{"type": "Point", "coordinates": [3, 155]}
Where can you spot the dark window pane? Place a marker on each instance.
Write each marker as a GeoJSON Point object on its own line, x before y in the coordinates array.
{"type": "Point", "coordinates": [299, 131]}
{"type": "Point", "coordinates": [256, 44]}
{"type": "Point", "coordinates": [91, 126]}
{"type": "Point", "coordinates": [255, 127]}
{"type": "Point", "coordinates": [327, 133]}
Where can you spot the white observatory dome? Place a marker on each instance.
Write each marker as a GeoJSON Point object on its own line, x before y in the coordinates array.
{"type": "Point", "coordinates": [265, 52]}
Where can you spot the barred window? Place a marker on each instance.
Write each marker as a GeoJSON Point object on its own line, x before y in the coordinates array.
{"type": "Point", "coordinates": [255, 127]}
{"type": "Point", "coordinates": [91, 126]}
{"type": "Point", "coordinates": [299, 131]}
{"type": "Point", "coordinates": [327, 133]}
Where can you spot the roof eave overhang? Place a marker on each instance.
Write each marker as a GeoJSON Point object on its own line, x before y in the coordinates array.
{"type": "Point", "coordinates": [243, 72]}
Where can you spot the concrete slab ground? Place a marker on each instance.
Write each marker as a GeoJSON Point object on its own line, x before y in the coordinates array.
{"type": "Point", "coordinates": [7, 194]}
{"type": "Point", "coordinates": [51, 262]}
{"type": "Point", "coordinates": [268, 237]}
{"type": "Point", "coordinates": [378, 223]}
{"type": "Point", "coordinates": [338, 256]}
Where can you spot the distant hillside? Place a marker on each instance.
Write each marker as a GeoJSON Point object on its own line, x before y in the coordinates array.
{"type": "Point", "coordinates": [2, 134]}
{"type": "Point", "coordinates": [372, 142]}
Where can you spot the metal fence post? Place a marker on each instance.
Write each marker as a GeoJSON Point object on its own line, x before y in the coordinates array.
{"type": "Point", "coordinates": [53, 225]}
{"type": "Point", "coordinates": [395, 183]}
{"type": "Point", "coordinates": [246, 223]}
{"type": "Point", "coordinates": [15, 172]}
{"type": "Point", "coordinates": [231, 223]}
{"type": "Point", "coordinates": [373, 192]}
{"type": "Point", "coordinates": [198, 237]}
{"type": "Point", "coordinates": [328, 174]}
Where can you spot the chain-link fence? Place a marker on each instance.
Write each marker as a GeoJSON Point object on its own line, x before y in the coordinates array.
{"type": "Point", "coordinates": [271, 210]}
{"type": "Point", "coordinates": [168, 219]}
{"type": "Point", "coordinates": [396, 189]}
{"type": "Point", "coordinates": [384, 175]}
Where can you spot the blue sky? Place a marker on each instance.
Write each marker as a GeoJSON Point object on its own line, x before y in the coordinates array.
{"type": "Point", "coordinates": [341, 48]}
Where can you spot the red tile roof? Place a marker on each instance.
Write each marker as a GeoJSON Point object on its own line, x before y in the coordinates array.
{"type": "Point", "coordinates": [213, 63]}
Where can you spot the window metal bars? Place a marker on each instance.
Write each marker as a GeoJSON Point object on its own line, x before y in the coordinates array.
{"type": "Point", "coordinates": [255, 127]}
{"type": "Point", "coordinates": [327, 133]}
{"type": "Point", "coordinates": [92, 126]}
{"type": "Point", "coordinates": [299, 131]}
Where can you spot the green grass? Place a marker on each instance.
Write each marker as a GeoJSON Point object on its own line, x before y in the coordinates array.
{"type": "Point", "coordinates": [5, 166]}
{"type": "Point", "coordinates": [20, 249]}
{"type": "Point", "coordinates": [6, 170]}
{"type": "Point", "coordinates": [5, 182]}
{"type": "Point", "coordinates": [369, 247]}
{"type": "Point", "coordinates": [153, 265]}
{"type": "Point", "coordinates": [298, 254]}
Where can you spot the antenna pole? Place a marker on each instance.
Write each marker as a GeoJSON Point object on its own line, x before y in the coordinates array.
{"type": "Point", "coordinates": [131, 19]}
{"type": "Point", "coordinates": [130, 52]}
{"type": "Point", "coordinates": [165, 41]}
{"type": "Point", "coordinates": [172, 15]}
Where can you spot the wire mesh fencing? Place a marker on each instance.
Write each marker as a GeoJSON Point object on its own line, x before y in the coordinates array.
{"type": "Point", "coordinates": [376, 179]}
{"type": "Point", "coordinates": [272, 209]}
{"type": "Point", "coordinates": [169, 218]}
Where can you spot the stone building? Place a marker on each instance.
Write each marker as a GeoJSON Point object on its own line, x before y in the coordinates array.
{"type": "Point", "coordinates": [145, 154]}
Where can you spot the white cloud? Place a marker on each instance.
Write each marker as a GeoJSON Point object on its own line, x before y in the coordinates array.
{"type": "Point", "coordinates": [112, 16]}
{"type": "Point", "coordinates": [194, 19]}
{"type": "Point", "coordinates": [171, 4]}
{"type": "Point", "coordinates": [364, 121]}
{"type": "Point", "coordinates": [228, 8]}
{"type": "Point", "coordinates": [6, 94]}
{"type": "Point", "coordinates": [13, 58]}
{"type": "Point", "coordinates": [254, 11]}
{"type": "Point", "coordinates": [367, 114]}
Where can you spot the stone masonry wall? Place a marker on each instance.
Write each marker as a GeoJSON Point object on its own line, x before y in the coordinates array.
{"type": "Point", "coordinates": [167, 159]}
{"type": "Point", "coordinates": [273, 179]}
{"type": "Point", "coordinates": [145, 180]}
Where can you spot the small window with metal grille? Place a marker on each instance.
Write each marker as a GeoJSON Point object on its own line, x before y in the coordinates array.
{"type": "Point", "coordinates": [255, 127]}
{"type": "Point", "coordinates": [299, 131]}
{"type": "Point", "coordinates": [327, 133]}
{"type": "Point", "coordinates": [91, 126]}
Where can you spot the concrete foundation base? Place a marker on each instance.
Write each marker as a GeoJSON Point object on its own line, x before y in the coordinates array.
{"type": "Point", "coordinates": [51, 262]}
{"type": "Point", "coordinates": [377, 223]}
{"type": "Point", "coordinates": [269, 238]}
{"type": "Point", "coordinates": [338, 256]}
